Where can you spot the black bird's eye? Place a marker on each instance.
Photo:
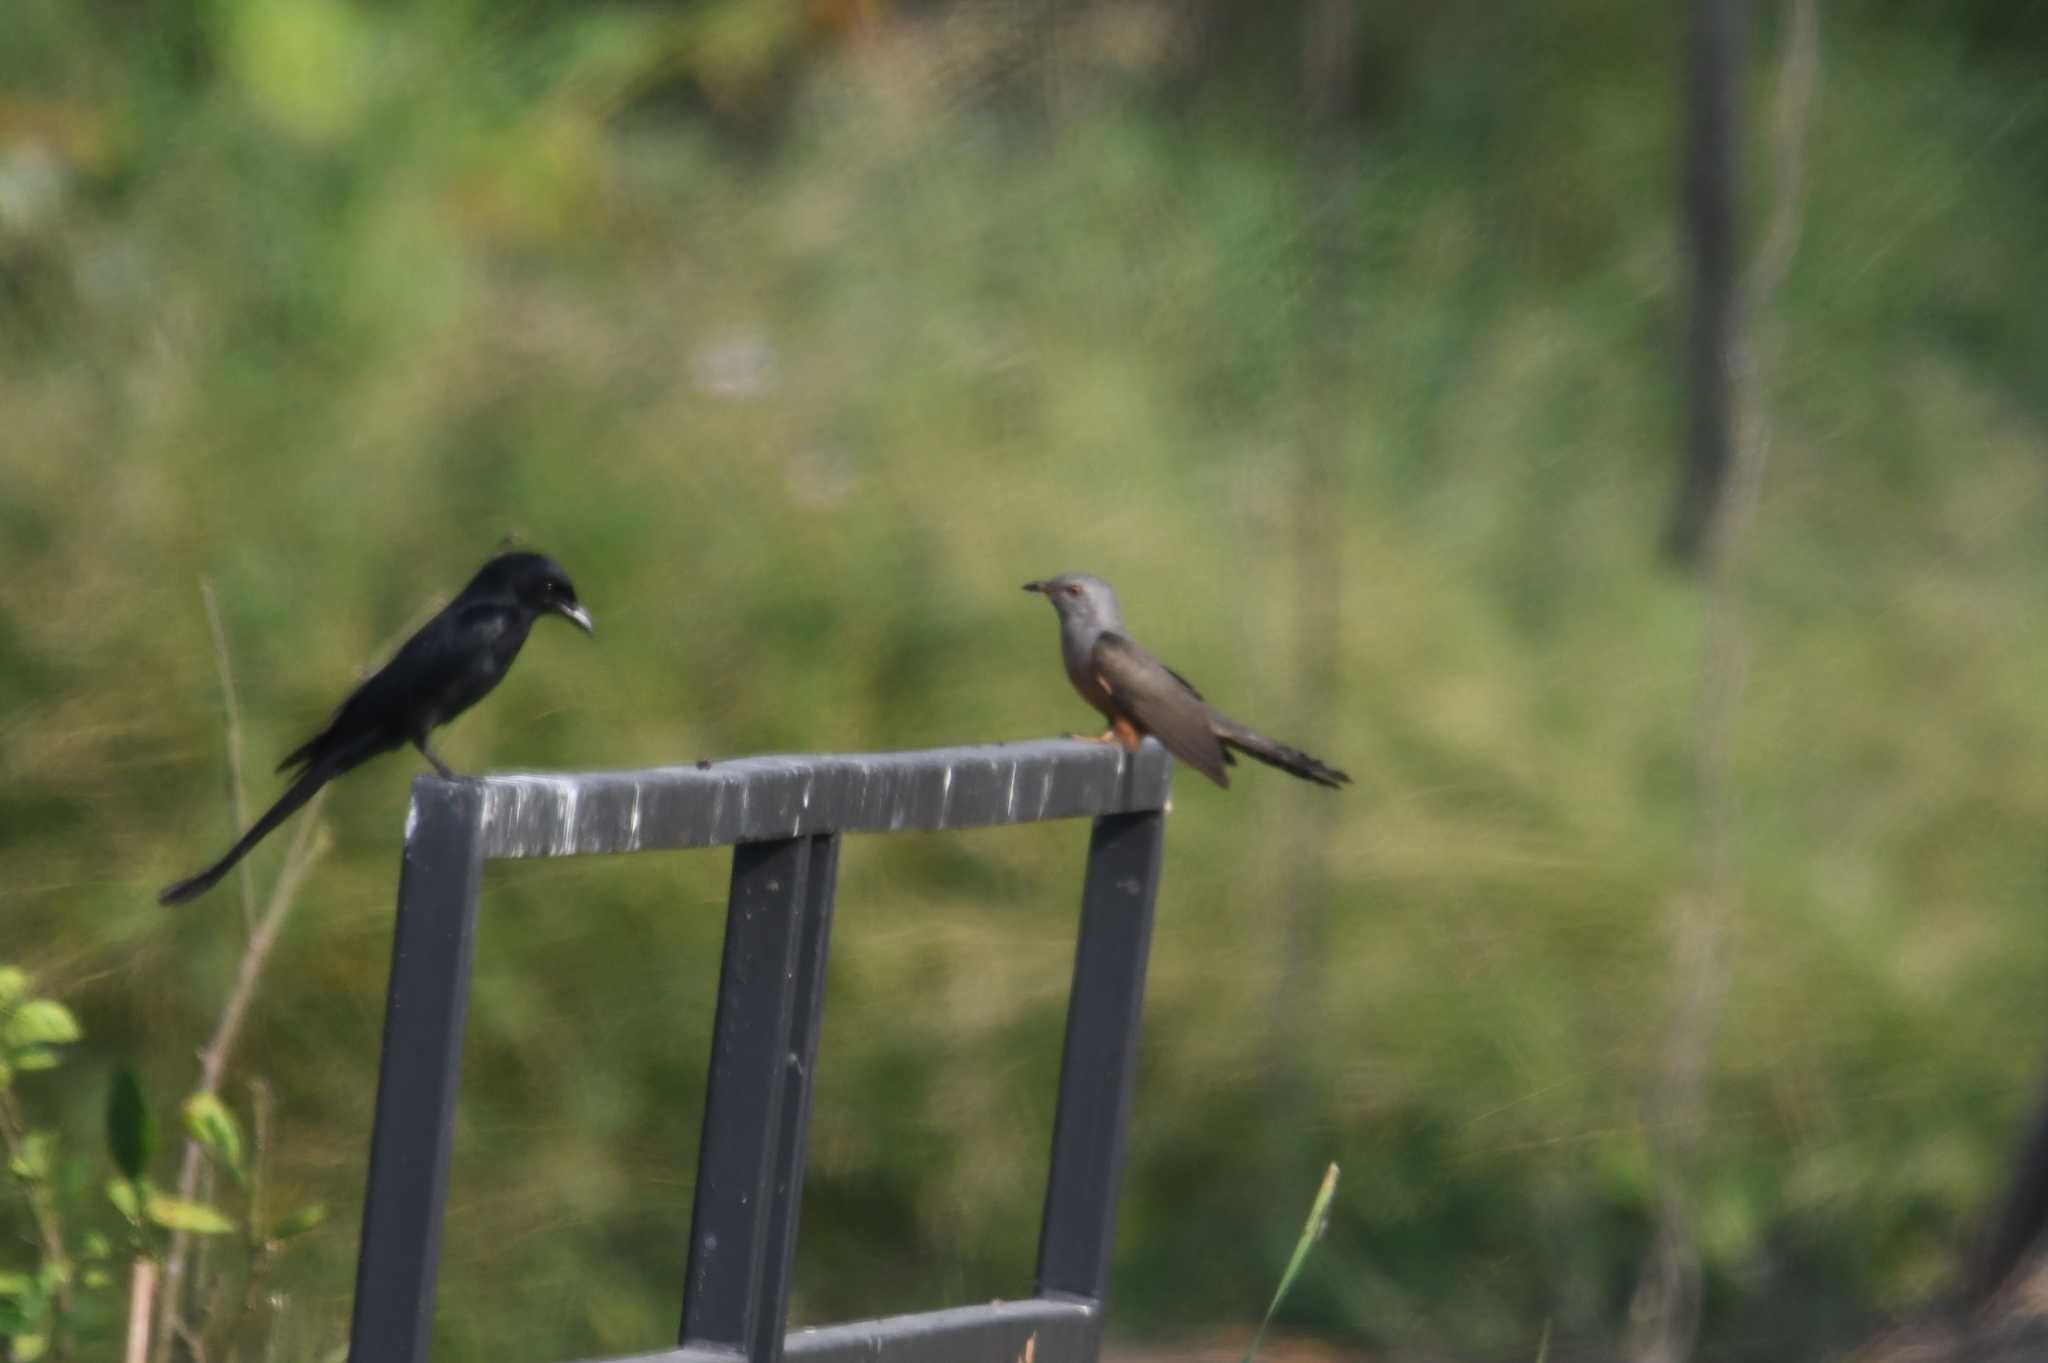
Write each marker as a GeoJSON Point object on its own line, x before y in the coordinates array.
{"type": "Point", "coordinates": [1073, 590]}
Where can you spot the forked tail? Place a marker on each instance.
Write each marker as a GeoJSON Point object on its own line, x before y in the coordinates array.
{"type": "Point", "coordinates": [296, 794]}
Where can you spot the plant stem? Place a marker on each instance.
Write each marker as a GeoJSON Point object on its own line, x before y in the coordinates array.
{"type": "Point", "coordinates": [41, 1206]}
{"type": "Point", "coordinates": [307, 846]}
{"type": "Point", "coordinates": [237, 796]}
{"type": "Point", "coordinates": [141, 1295]}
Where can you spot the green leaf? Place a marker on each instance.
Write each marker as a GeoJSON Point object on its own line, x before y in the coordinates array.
{"type": "Point", "coordinates": [126, 1201]}
{"type": "Point", "coordinates": [16, 1285]}
{"type": "Point", "coordinates": [215, 1128]}
{"type": "Point", "coordinates": [39, 1022]}
{"type": "Point", "coordinates": [131, 1129]}
{"type": "Point", "coordinates": [35, 1058]}
{"type": "Point", "coordinates": [29, 1348]}
{"type": "Point", "coordinates": [96, 1278]}
{"type": "Point", "coordinates": [13, 985]}
{"type": "Point", "coordinates": [303, 62]}
{"type": "Point", "coordinates": [1318, 1220]}
{"type": "Point", "coordinates": [25, 1313]}
{"type": "Point", "coordinates": [96, 1246]}
{"type": "Point", "coordinates": [175, 1213]}
{"type": "Point", "coordinates": [299, 1222]}
{"type": "Point", "coordinates": [32, 1161]}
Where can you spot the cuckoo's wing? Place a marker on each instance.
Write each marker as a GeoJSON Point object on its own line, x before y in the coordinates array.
{"type": "Point", "coordinates": [1163, 704]}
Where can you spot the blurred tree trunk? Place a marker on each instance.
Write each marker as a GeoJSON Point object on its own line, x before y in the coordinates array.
{"type": "Point", "coordinates": [1713, 97]}
{"type": "Point", "coordinates": [1323, 381]}
{"type": "Point", "coordinates": [1731, 420]}
{"type": "Point", "coordinates": [1665, 1314]}
{"type": "Point", "coordinates": [2016, 1219]}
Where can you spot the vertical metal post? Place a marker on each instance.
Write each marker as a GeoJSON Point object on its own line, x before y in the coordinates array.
{"type": "Point", "coordinates": [432, 945]}
{"type": "Point", "coordinates": [758, 1094]}
{"type": "Point", "coordinates": [813, 950]}
{"type": "Point", "coordinates": [1099, 1066]}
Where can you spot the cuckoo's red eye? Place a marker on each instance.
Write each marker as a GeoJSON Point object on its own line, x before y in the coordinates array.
{"type": "Point", "coordinates": [1073, 590]}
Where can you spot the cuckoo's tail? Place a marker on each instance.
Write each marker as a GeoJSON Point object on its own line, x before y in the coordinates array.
{"type": "Point", "coordinates": [1293, 761]}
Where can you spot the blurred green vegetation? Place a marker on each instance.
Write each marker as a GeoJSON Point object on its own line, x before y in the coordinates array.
{"type": "Point", "coordinates": [802, 346]}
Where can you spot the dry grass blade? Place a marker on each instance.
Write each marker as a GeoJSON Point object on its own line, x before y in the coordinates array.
{"type": "Point", "coordinates": [237, 795]}
{"type": "Point", "coordinates": [309, 843]}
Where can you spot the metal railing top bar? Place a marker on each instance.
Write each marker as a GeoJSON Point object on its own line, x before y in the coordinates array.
{"type": "Point", "coordinates": [759, 799]}
{"type": "Point", "coordinates": [995, 1332]}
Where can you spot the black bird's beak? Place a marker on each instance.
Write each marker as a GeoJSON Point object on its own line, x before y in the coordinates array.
{"type": "Point", "coordinates": [576, 615]}
{"type": "Point", "coordinates": [1042, 588]}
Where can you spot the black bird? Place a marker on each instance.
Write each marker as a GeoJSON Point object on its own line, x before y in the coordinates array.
{"type": "Point", "coordinates": [1140, 695]}
{"type": "Point", "coordinates": [449, 665]}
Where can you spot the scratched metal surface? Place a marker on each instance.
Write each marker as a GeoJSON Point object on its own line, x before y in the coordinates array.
{"type": "Point", "coordinates": [998, 1332]}
{"type": "Point", "coordinates": [757, 799]}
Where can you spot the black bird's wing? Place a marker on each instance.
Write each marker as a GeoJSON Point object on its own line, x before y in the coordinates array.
{"type": "Point", "coordinates": [371, 707]}
{"type": "Point", "coordinates": [1162, 703]}
{"type": "Point", "coordinates": [448, 665]}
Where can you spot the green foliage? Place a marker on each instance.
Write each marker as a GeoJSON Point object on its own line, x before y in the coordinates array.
{"type": "Point", "coordinates": [173, 1213]}
{"type": "Point", "coordinates": [36, 1024]}
{"type": "Point", "coordinates": [800, 417]}
{"type": "Point", "coordinates": [126, 1194]}
{"type": "Point", "coordinates": [35, 1305]}
{"type": "Point", "coordinates": [41, 1311]}
{"type": "Point", "coordinates": [30, 1028]}
{"type": "Point", "coordinates": [131, 1126]}
{"type": "Point", "coordinates": [298, 1223]}
{"type": "Point", "coordinates": [306, 65]}
{"type": "Point", "coordinates": [211, 1124]}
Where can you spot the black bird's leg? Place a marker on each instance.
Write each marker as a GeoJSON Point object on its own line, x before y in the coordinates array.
{"type": "Point", "coordinates": [447, 773]}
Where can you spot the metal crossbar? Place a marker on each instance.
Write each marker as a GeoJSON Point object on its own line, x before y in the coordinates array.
{"type": "Point", "coordinates": [783, 817]}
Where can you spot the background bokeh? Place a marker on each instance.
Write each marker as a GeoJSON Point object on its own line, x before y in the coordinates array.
{"type": "Point", "coordinates": [803, 333]}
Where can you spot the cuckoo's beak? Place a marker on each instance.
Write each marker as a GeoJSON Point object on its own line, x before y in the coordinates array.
{"type": "Point", "coordinates": [1042, 588]}
{"type": "Point", "coordinates": [574, 613]}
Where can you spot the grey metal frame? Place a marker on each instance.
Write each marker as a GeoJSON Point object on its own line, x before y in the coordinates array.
{"type": "Point", "coordinates": [783, 817]}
